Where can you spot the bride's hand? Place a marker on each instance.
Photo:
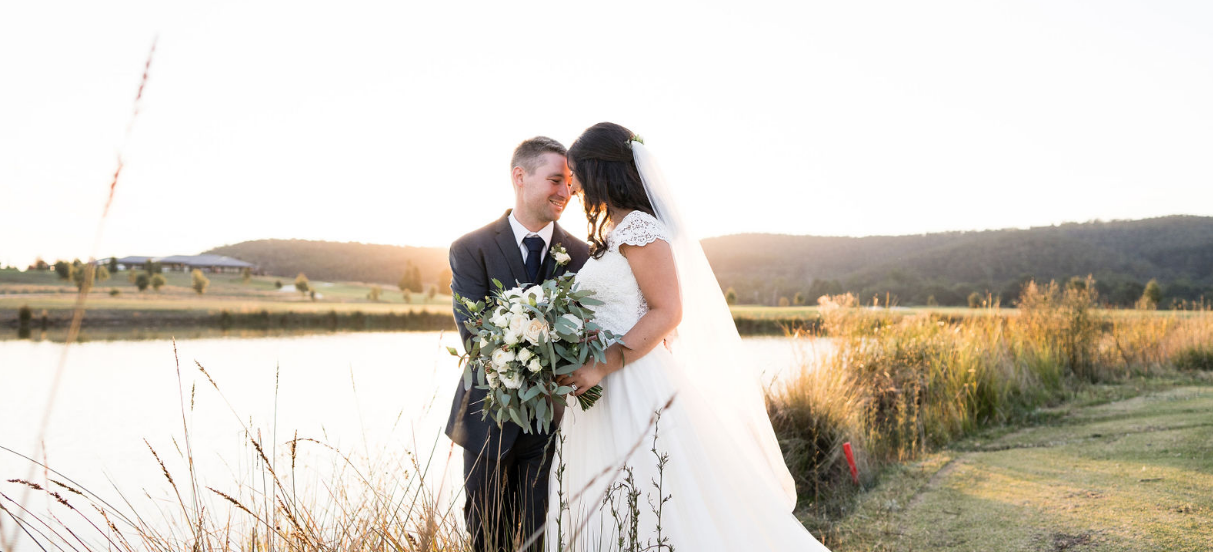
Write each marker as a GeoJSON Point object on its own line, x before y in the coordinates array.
{"type": "Point", "coordinates": [584, 378]}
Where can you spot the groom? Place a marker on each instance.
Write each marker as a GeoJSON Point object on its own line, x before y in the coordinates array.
{"type": "Point", "coordinates": [506, 470]}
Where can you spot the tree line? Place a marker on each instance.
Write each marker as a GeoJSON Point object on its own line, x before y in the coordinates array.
{"type": "Point", "coordinates": [948, 269]}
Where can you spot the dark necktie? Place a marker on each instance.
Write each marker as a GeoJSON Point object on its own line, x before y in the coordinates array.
{"type": "Point", "coordinates": [534, 248]}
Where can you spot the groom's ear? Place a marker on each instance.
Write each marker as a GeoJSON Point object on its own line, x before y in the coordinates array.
{"type": "Point", "coordinates": [516, 176]}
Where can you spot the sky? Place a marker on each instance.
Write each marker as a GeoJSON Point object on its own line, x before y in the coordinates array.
{"type": "Point", "coordinates": [394, 122]}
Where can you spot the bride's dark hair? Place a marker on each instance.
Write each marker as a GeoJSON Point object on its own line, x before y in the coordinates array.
{"type": "Point", "coordinates": [601, 158]}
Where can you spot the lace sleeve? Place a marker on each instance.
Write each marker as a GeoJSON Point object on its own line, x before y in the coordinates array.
{"type": "Point", "coordinates": [637, 228]}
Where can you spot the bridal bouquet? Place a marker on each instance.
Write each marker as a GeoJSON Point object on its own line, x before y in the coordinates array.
{"type": "Point", "coordinates": [522, 339]}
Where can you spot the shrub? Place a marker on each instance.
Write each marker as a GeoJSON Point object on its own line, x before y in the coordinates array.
{"type": "Point", "coordinates": [1064, 322]}
{"type": "Point", "coordinates": [730, 296]}
{"type": "Point", "coordinates": [1151, 296]}
{"type": "Point", "coordinates": [142, 280]}
{"type": "Point", "coordinates": [974, 300]}
{"type": "Point", "coordinates": [158, 281]}
{"type": "Point", "coordinates": [199, 281]}
{"type": "Point", "coordinates": [301, 284]}
{"type": "Point", "coordinates": [83, 275]}
{"type": "Point", "coordinates": [1195, 358]}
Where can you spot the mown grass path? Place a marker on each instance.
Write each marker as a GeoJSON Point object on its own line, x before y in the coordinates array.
{"type": "Point", "coordinates": [1135, 474]}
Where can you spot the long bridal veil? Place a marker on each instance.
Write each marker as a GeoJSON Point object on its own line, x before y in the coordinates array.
{"type": "Point", "coordinates": [708, 345]}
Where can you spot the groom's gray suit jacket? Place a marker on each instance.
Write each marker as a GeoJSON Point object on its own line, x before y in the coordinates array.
{"type": "Point", "coordinates": [476, 259]}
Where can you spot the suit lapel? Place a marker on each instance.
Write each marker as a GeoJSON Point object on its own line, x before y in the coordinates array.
{"type": "Point", "coordinates": [509, 249]}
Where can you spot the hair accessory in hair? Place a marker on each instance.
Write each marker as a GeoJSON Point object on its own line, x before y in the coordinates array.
{"type": "Point", "coordinates": [636, 138]}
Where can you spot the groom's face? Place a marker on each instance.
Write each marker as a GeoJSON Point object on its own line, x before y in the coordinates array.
{"type": "Point", "coordinates": [544, 192]}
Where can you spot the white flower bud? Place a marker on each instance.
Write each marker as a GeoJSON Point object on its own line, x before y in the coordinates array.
{"type": "Point", "coordinates": [511, 380]}
{"type": "Point", "coordinates": [502, 356]}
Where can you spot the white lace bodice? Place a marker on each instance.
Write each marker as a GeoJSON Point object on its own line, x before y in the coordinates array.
{"type": "Point", "coordinates": [610, 276]}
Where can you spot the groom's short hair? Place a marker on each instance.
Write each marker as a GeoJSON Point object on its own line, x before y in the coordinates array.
{"type": "Point", "coordinates": [527, 154]}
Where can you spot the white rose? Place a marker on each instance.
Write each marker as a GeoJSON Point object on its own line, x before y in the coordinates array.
{"type": "Point", "coordinates": [513, 293]}
{"type": "Point", "coordinates": [492, 378]}
{"type": "Point", "coordinates": [525, 355]}
{"type": "Point", "coordinates": [534, 294]}
{"type": "Point", "coordinates": [518, 323]}
{"type": "Point", "coordinates": [561, 257]}
{"type": "Point", "coordinates": [499, 319]}
{"type": "Point", "coordinates": [534, 330]}
{"type": "Point", "coordinates": [502, 356]}
{"type": "Point", "coordinates": [484, 343]}
{"type": "Point", "coordinates": [534, 366]}
{"type": "Point", "coordinates": [511, 380]}
{"type": "Point", "coordinates": [517, 309]}
{"type": "Point", "coordinates": [510, 338]}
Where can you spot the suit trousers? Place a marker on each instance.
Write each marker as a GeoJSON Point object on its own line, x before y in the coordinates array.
{"type": "Point", "coordinates": [507, 496]}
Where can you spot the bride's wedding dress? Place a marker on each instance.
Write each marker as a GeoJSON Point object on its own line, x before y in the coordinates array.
{"type": "Point", "coordinates": [722, 496]}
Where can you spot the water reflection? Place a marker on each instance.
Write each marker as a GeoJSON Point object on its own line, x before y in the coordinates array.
{"type": "Point", "coordinates": [379, 397]}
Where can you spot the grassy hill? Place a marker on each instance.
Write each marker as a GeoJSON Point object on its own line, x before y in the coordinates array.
{"type": "Point", "coordinates": [341, 262]}
{"type": "Point", "coordinates": [1122, 255]}
{"type": "Point", "coordinates": [911, 270]}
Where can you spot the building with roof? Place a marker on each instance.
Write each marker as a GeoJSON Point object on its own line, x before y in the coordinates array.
{"type": "Point", "coordinates": [127, 263]}
{"type": "Point", "coordinates": [205, 263]}
{"type": "Point", "coordinates": [186, 263]}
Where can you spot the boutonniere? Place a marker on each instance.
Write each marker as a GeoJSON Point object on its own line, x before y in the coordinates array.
{"type": "Point", "coordinates": [561, 255]}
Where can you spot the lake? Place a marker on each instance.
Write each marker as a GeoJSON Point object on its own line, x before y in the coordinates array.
{"type": "Point", "coordinates": [377, 397]}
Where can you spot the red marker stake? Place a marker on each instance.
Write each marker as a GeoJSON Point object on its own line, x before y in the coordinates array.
{"type": "Point", "coordinates": [846, 448]}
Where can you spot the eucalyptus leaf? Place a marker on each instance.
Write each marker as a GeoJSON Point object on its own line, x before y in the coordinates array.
{"type": "Point", "coordinates": [541, 409]}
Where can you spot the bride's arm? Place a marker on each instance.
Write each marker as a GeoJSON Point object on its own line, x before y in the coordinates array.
{"type": "Point", "coordinates": [653, 266]}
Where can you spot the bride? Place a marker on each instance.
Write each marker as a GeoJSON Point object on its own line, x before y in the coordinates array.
{"type": "Point", "coordinates": [681, 428]}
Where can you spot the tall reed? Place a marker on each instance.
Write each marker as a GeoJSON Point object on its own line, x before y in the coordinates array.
{"type": "Point", "coordinates": [895, 385]}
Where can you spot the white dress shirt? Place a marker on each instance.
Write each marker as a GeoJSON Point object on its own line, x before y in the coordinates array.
{"type": "Point", "coordinates": [521, 232]}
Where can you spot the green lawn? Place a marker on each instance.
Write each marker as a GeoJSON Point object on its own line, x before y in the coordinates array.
{"type": "Point", "coordinates": [1134, 474]}
{"type": "Point", "coordinates": [764, 312]}
{"type": "Point", "coordinates": [44, 290]}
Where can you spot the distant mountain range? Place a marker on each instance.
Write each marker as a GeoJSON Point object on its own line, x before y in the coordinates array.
{"type": "Point", "coordinates": [943, 267]}
{"type": "Point", "coordinates": [1121, 255]}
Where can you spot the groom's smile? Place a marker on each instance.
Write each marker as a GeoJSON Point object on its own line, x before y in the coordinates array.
{"type": "Point", "coordinates": [544, 191]}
